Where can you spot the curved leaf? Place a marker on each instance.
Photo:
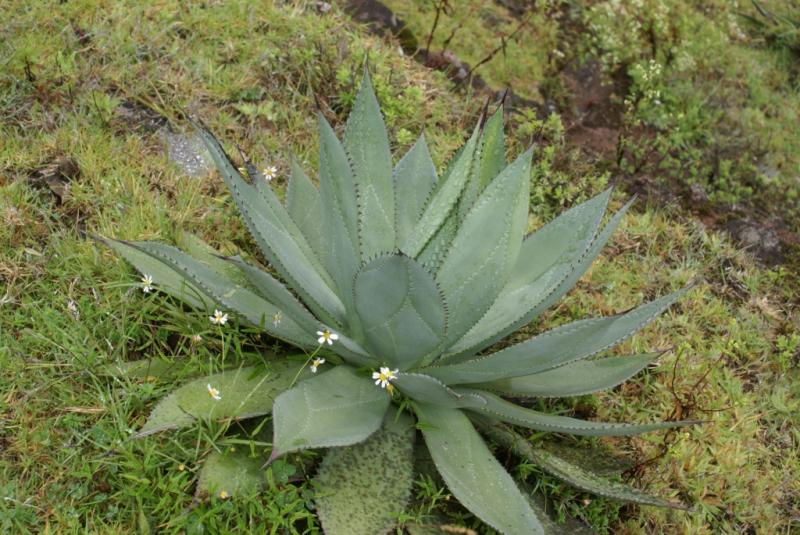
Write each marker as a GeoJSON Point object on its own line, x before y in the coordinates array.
{"type": "Point", "coordinates": [562, 345]}
{"type": "Point", "coordinates": [244, 393]}
{"type": "Point", "coordinates": [276, 293]}
{"type": "Point", "coordinates": [570, 473]}
{"type": "Point", "coordinates": [165, 278]}
{"type": "Point", "coordinates": [426, 389]}
{"type": "Point", "coordinates": [335, 408]}
{"type": "Point", "coordinates": [401, 310]}
{"type": "Point", "coordinates": [575, 379]}
{"type": "Point", "coordinates": [485, 248]}
{"type": "Point", "coordinates": [279, 239]}
{"type": "Point", "coordinates": [505, 411]}
{"type": "Point", "coordinates": [367, 144]}
{"type": "Point", "coordinates": [363, 489]}
{"type": "Point", "coordinates": [472, 473]}
{"type": "Point", "coordinates": [250, 305]}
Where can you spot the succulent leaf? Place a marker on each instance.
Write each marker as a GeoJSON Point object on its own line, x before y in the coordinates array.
{"type": "Point", "coordinates": [442, 202]}
{"type": "Point", "coordinates": [425, 389]}
{"type": "Point", "coordinates": [489, 160]}
{"type": "Point", "coordinates": [168, 279]}
{"type": "Point", "coordinates": [363, 488]}
{"type": "Point", "coordinates": [367, 144]}
{"type": "Point", "coordinates": [339, 212]}
{"type": "Point", "coordinates": [472, 473]}
{"type": "Point", "coordinates": [546, 260]}
{"type": "Point", "coordinates": [231, 473]}
{"type": "Point", "coordinates": [485, 248]}
{"type": "Point", "coordinates": [500, 409]}
{"type": "Point", "coordinates": [278, 237]}
{"type": "Point", "coordinates": [304, 206]}
{"type": "Point", "coordinates": [276, 293]}
{"type": "Point", "coordinates": [556, 347]}
{"type": "Point", "coordinates": [243, 393]}
{"type": "Point", "coordinates": [570, 473]}
{"type": "Point", "coordinates": [335, 408]}
{"type": "Point", "coordinates": [575, 379]}
{"type": "Point", "coordinates": [402, 312]}
{"type": "Point", "coordinates": [252, 307]}
{"type": "Point", "coordinates": [206, 254]}
{"type": "Point", "coordinates": [414, 179]}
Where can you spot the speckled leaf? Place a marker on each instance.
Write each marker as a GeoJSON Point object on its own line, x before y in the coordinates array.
{"type": "Point", "coordinates": [570, 473]}
{"type": "Point", "coordinates": [546, 259]}
{"type": "Point", "coordinates": [231, 473]}
{"type": "Point", "coordinates": [414, 180]}
{"type": "Point", "coordinates": [335, 408]}
{"type": "Point", "coordinates": [367, 144]}
{"type": "Point", "coordinates": [472, 473]}
{"type": "Point", "coordinates": [363, 489]}
{"type": "Point", "coordinates": [575, 379]}
{"type": "Point", "coordinates": [485, 248]}
{"type": "Point", "coordinates": [562, 345]}
{"type": "Point", "coordinates": [505, 411]}
{"type": "Point", "coordinates": [305, 208]}
{"type": "Point", "coordinates": [244, 393]}
{"type": "Point", "coordinates": [401, 309]}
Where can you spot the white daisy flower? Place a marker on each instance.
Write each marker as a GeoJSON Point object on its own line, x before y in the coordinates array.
{"type": "Point", "coordinates": [270, 172]}
{"type": "Point", "coordinates": [316, 363]}
{"type": "Point", "coordinates": [218, 318]}
{"type": "Point", "coordinates": [147, 284]}
{"type": "Point", "coordinates": [276, 318]}
{"type": "Point", "coordinates": [385, 376]}
{"type": "Point", "coordinates": [213, 392]}
{"type": "Point", "coordinates": [327, 336]}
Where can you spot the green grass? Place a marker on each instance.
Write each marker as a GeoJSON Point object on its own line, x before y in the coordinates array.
{"type": "Point", "coordinates": [67, 463]}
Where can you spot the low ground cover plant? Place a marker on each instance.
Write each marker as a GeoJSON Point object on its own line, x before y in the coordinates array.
{"type": "Point", "coordinates": [394, 282]}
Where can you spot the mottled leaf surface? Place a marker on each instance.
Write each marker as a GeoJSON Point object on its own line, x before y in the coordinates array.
{"type": "Point", "coordinates": [362, 489]}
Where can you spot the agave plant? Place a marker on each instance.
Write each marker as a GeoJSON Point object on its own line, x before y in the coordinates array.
{"type": "Point", "coordinates": [395, 282]}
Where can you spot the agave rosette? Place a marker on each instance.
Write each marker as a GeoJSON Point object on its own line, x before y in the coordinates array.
{"type": "Point", "coordinates": [415, 273]}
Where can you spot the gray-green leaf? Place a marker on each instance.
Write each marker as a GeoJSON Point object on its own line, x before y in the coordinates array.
{"type": "Point", "coordinates": [575, 379]}
{"type": "Point", "coordinates": [570, 473]}
{"type": "Point", "coordinates": [367, 144]}
{"type": "Point", "coordinates": [546, 259]}
{"type": "Point", "coordinates": [414, 179]}
{"type": "Point", "coordinates": [485, 248]}
{"type": "Point", "coordinates": [505, 411]}
{"type": "Point", "coordinates": [472, 473]}
{"type": "Point", "coordinates": [243, 392]}
{"type": "Point", "coordinates": [231, 473]}
{"type": "Point", "coordinates": [562, 345]}
{"type": "Point", "coordinates": [305, 208]}
{"type": "Point", "coordinates": [401, 309]}
{"type": "Point", "coordinates": [335, 408]}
